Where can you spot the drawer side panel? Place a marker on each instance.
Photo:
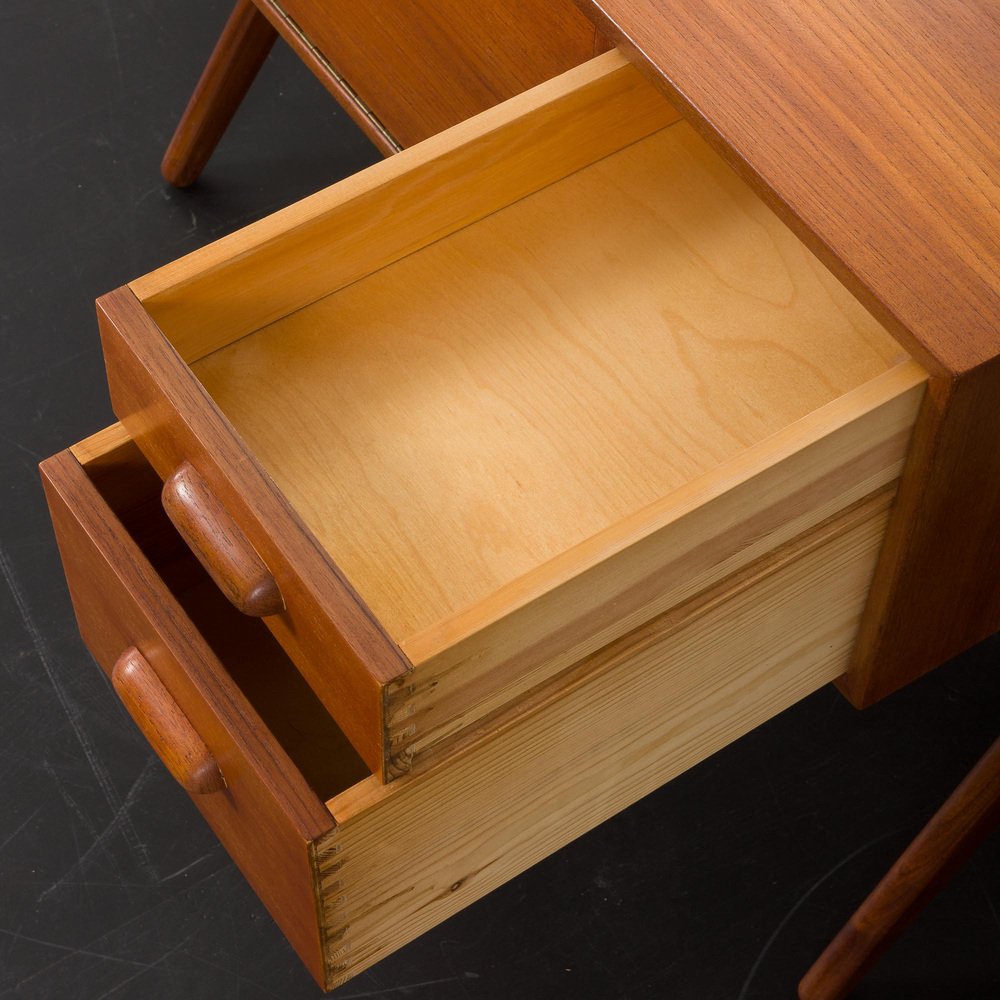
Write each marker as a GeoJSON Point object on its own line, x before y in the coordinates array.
{"type": "Point", "coordinates": [725, 521]}
{"type": "Point", "coordinates": [661, 699]}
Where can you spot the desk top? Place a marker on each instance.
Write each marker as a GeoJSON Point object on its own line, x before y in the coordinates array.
{"type": "Point", "coordinates": [872, 128]}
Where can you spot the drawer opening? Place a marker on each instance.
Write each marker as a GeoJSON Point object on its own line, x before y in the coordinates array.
{"type": "Point", "coordinates": [247, 650]}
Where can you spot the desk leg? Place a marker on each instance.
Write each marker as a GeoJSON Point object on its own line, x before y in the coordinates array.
{"type": "Point", "coordinates": [955, 831]}
{"type": "Point", "coordinates": [238, 55]}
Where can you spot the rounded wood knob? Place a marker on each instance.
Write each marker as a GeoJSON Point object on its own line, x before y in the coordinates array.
{"type": "Point", "coordinates": [164, 725]}
{"type": "Point", "coordinates": [219, 544]}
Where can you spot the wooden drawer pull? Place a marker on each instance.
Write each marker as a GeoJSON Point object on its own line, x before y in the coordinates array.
{"type": "Point", "coordinates": [225, 552]}
{"type": "Point", "coordinates": [164, 725]}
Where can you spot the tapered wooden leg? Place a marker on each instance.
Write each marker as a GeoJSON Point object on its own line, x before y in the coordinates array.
{"type": "Point", "coordinates": [238, 55]}
{"type": "Point", "coordinates": [958, 827]}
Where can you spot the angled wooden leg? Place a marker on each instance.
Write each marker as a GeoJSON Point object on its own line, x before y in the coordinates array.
{"type": "Point", "coordinates": [955, 831]}
{"type": "Point", "coordinates": [238, 55]}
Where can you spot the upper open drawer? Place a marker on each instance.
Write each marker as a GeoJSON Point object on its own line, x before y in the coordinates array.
{"type": "Point", "coordinates": [467, 416]}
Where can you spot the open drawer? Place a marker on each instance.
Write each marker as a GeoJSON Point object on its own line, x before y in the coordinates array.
{"type": "Point", "coordinates": [351, 868]}
{"type": "Point", "coordinates": [469, 416]}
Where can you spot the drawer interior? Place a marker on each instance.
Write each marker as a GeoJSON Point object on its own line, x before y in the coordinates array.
{"type": "Point", "coordinates": [455, 420]}
{"type": "Point", "coordinates": [244, 646]}
{"type": "Point", "coordinates": [452, 422]}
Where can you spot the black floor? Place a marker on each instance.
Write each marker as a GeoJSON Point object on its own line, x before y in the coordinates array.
{"type": "Point", "coordinates": [722, 886]}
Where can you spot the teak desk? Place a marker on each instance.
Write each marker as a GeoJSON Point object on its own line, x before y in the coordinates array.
{"type": "Point", "coordinates": [461, 504]}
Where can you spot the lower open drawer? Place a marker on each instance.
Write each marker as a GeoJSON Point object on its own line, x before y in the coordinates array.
{"type": "Point", "coordinates": [351, 868]}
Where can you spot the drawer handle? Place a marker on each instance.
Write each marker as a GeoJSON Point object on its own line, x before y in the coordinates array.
{"type": "Point", "coordinates": [225, 552]}
{"type": "Point", "coordinates": [164, 725]}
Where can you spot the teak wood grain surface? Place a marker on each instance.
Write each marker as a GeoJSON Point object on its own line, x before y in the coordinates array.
{"type": "Point", "coordinates": [123, 606]}
{"type": "Point", "coordinates": [950, 837]}
{"type": "Point", "coordinates": [417, 68]}
{"type": "Point", "coordinates": [239, 54]}
{"type": "Point", "coordinates": [403, 71]}
{"type": "Point", "coordinates": [164, 724]}
{"type": "Point", "coordinates": [227, 555]}
{"type": "Point", "coordinates": [873, 130]}
{"type": "Point", "coordinates": [324, 618]}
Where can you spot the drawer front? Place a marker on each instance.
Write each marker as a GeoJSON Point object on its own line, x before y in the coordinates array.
{"type": "Point", "coordinates": [421, 68]}
{"type": "Point", "coordinates": [208, 734]}
{"type": "Point", "coordinates": [325, 627]}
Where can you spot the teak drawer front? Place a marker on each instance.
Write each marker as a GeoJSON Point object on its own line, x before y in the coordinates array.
{"type": "Point", "coordinates": [266, 816]}
{"type": "Point", "coordinates": [493, 403]}
{"type": "Point", "coordinates": [337, 644]}
{"type": "Point", "coordinates": [352, 868]}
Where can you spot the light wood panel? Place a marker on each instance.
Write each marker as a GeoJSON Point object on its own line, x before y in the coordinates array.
{"type": "Point", "coordinates": [267, 270]}
{"type": "Point", "coordinates": [649, 562]}
{"type": "Point", "coordinates": [102, 446]}
{"type": "Point", "coordinates": [405, 856]}
{"type": "Point", "coordinates": [476, 409]}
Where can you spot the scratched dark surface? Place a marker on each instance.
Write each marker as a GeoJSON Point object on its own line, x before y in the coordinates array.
{"type": "Point", "coordinates": [722, 886]}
